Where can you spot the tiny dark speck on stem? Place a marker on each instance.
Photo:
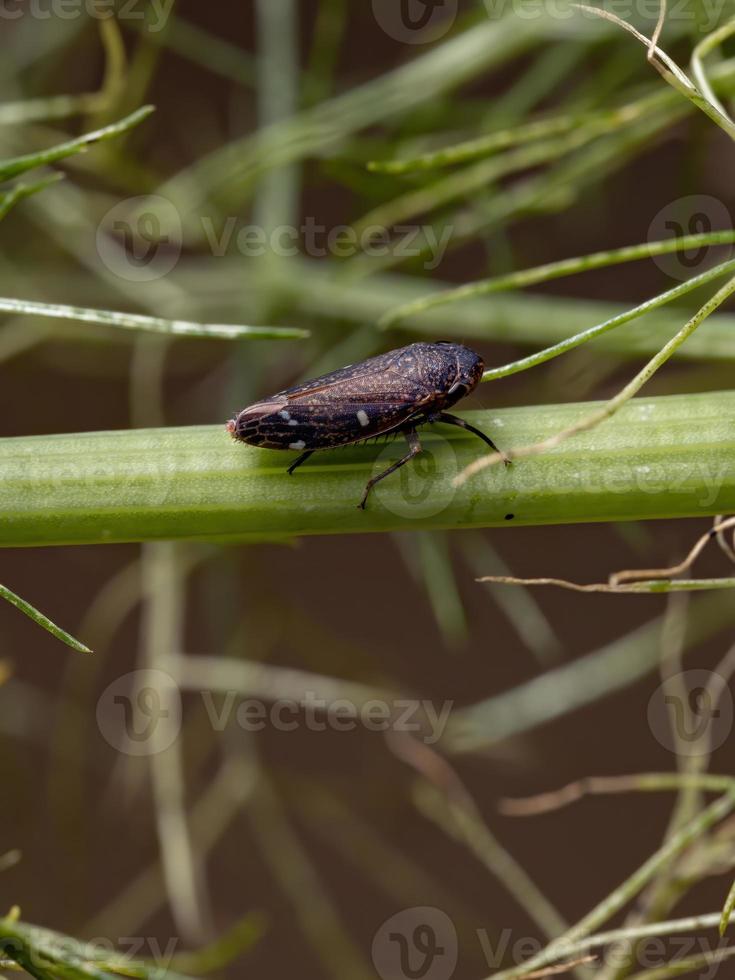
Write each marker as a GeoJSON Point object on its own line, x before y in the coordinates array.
{"type": "Point", "coordinates": [509, 517]}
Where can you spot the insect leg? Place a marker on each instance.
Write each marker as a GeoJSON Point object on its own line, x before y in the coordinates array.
{"type": "Point", "coordinates": [297, 462]}
{"type": "Point", "coordinates": [455, 420]}
{"type": "Point", "coordinates": [414, 448]}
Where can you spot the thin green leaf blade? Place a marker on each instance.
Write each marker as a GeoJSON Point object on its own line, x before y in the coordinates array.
{"type": "Point", "coordinates": [11, 197]}
{"type": "Point", "coordinates": [29, 161]}
{"type": "Point", "coordinates": [43, 621]}
{"type": "Point", "coordinates": [151, 324]}
{"type": "Point", "coordinates": [728, 910]}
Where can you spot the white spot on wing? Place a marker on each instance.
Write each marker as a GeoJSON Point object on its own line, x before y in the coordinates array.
{"type": "Point", "coordinates": [362, 418]}
{"type": "Point", "coordinates": [297, 445]}
{"type": "Point", "coordinates": [293, 422]}
{"type": "Point", "coordinates": [284, 414]}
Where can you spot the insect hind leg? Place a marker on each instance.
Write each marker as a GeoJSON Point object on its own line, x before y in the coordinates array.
{"type": "Point", "coordinates": [299, 460]}
{"type": "Point", "coordinates": [455, 420]}
{"type": "Point", "coordinates": [414, 448]}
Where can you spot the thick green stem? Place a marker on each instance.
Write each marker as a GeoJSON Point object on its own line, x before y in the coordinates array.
{"type": "Point", "coordinates": [657, 458]}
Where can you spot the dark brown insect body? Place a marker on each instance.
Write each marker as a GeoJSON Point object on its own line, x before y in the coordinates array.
{"type": "Point", "coordinates": [393, 392]}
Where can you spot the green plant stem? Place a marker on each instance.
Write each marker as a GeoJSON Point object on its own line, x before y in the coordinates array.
{"type": "Point", "coordinates": [17, 193]}
{"type": "Point", "coordinates": [43, 621]}
{"type": "Point", "coordinates": [278, 94]}
{"type": "Point", "coordinates": [151, 324]}
{"type": "Point", "coordinates": [540, 357]}
{"type": "Point", "coordinates": [727, 911]}
{"type": "Point", "coordinates": [671, 73]}
{"type": "Point", "coordinates": [18, 165]}
{"type": "Point", "coordinates": [630, 934]}
{"type": "Point", "coordinates": [214, 54]}
{"type": "Point", "coordinates": [556, 270]}
{"type": "Point", "coordinates": [459, 818]}
{"type": "Point", "coordinates": [228, 174]}
{"type": "Point", "coordinates": [702, 965]}
{"type": "Point", "coordinates": [49, 955]}
{"type": "Point", "coordinates": [474, 179]}
{"type": "Point", "coordinates": [481, 146]}
{"type": "Point", "coordinates": [310, 289]}
{"type": "Point", "coordinates": [629, 888]}
{"type": "Point", "coordinates": [161, 638]}
{"type": "Point", "coordinates": [704, 47]}
{"type": "Point", "coordinates": [657, 457]}
{"type": "Point", "coordinates": [613, 405]}
{"type": "Point", "coordinates": [48, 107]}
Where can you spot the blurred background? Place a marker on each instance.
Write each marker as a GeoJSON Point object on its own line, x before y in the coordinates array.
{"type": "Point", "coordinates": [305, 842]}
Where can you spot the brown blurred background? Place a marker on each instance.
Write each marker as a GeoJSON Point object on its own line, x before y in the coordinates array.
{"type": "Point", "coordinates": [356, 608]}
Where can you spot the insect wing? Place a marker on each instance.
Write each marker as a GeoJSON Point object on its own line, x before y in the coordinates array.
{"type": "Point", "coordinates": [351, 404]}
{"type": "Point", "coordinates": [345, 423]}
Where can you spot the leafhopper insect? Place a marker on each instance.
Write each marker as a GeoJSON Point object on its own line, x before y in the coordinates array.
{"type": "Point", "coordinates": [394, 392]}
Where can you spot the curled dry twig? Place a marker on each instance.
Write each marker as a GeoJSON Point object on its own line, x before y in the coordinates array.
{"type": "Point", "coordinates": [532, 806]}
{"type": "Point", "coordinates": [643, 581]}
{"type": "Point", "coordinates": [650, 573]}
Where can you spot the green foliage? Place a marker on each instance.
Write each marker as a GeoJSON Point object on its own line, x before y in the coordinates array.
{"type": "Point", "coordinates": [576, 105]}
